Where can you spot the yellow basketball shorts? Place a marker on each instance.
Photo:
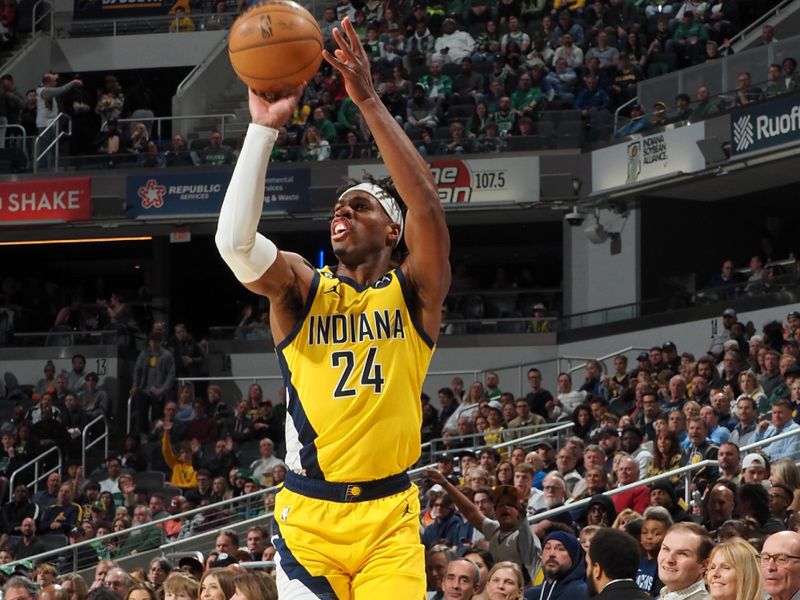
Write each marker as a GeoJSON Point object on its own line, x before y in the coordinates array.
{"type": "Point", "coordinates": [336, 541]}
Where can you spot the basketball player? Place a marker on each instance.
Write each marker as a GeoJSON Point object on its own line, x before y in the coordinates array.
{"type": "Point", "coordinates": [354, 343]}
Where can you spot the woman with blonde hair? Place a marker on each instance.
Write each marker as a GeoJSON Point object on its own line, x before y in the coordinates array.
{"type": "Point", "coordinates": [748, 383]}
{"type": "Point", "coordinates": [785, 471]}
{"type": "Point", "coordinates": [255, 586]}
{"type": "Point", "coordinates": [623, 518]}
{"type": "Point", "coordinates": [733, 572]}
{"type": "Point", "coordinates": [505, 581]}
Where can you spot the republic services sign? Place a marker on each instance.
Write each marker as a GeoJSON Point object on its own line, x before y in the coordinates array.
{"type": "Point", "coordinates": [46, 200]}
{"type": "Point", "coordinates": [765, 125]}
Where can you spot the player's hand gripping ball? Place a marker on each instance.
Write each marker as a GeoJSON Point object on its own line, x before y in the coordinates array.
{"type": "Point", "coordinates": [275, 46]}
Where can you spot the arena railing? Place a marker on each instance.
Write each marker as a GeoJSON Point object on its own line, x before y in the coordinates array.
{"type": "Point", "coordinates": [718, 75]}
{"type": "Point", "coordinates": [438, 445]}
{"type": "Point", "coordinates": [44, 135]}
{"type": "Point", "coordinates": [96, 439]}
{"type": "Point", "coordinates": [557, 431]}
{"type": "Point", "coordinates": [151, 24]}
{"type": "Point", "coordinates": [217, 510]}
{"type": "Point", "coordinates": [751, 28]}
{"type": "Point", "coordinates": [222, 117]}
{"type": "Point", "coordinates": [47, 12]}
{"type": "Point", "coordinates": [38, 463]}
{"type": "Point", "coordinates": [684, 472]}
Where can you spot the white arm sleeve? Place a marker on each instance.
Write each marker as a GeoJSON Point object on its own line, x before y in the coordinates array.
{"type": "Point", "coordinates": [248, 253]}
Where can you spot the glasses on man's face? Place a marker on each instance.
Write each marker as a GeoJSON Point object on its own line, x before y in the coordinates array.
{"type": "Point", "coordinates": [437, 505]}
{"type": "Point", "coordinates": [781, 560]}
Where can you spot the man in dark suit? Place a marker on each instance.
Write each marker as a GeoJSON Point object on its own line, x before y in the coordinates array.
{"type": "Point", "coordinates": [611, 567]}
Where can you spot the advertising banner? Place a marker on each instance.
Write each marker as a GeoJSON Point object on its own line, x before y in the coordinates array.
{"type": "Point", "coordinates": [111, 9]}
{"type": "Point", "coordinates": [201, 193]}
{"type": "Point", "coordinates": [476, 180]}
{"type": "Point", "coordinates": [765, 125]}
{"type": "Point", "coordinates": [46, 201]}
{"type": "Point", "coordinates": [648, 157]}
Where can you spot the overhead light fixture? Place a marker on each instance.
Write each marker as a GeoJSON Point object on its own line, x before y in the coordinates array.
{"type": "Point", "coordinates": [596, 233]}
{"type": "Point", "coordinates": [143, 238]}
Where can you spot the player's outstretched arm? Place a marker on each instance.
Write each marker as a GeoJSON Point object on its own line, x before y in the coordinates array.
{"type": "Point", "coordinates": [426, 232]}
{"type": "Point", "coordinates": [253, 258]}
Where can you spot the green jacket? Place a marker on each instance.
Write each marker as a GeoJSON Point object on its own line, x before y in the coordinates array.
{"type": "Point", "coordinates": [443, 83]}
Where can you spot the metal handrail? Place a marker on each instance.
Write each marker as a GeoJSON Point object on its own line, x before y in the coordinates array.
{"type": "Point", "coordinates": [48, 13]}
{"type": "Point", "coordinates": [619, 109]}
{"type": "Point", "coordinates": [15, 126]}
{"type": "Point", "coordinates": [59, 134]}
{"type": "Point", "coordinates": [158, 120]}
{"type": "Point", "coordinates": [413, 473]}
{"type": "Point", "coordinates": [599, 358]}
{"type": "Point", "coordinates": [769, 440]}
{"type": "Point", "coordinates": [642, 482]}
{"type": "Point", "coordinates": [154, 523]}
{"type": "Point", "coordinates": [36, 477]}
{"type": "Point", "coordinates": [775, 10]}
{"type": "Point", "coordinates": [668, 475]}
{"type": "Point", "coordinates": [194, 72]}
{"type": "Point", "coordinates": [97, 440]}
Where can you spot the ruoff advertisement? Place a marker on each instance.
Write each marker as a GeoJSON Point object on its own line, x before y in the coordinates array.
{"type": "Point", "coordinates": [633, 161]}
{"type": "Point", "coordinates": [765, 125]}
{"type": "Point", "coordinates": [46, 201]}
{"type": "Point", "coordinates": [475, 180]}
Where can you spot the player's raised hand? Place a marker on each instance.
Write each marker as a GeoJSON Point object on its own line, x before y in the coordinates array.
{"type": "Point", "coordinates": [273, 112]}
{"type": "Point", "coordinates": [351, 60]}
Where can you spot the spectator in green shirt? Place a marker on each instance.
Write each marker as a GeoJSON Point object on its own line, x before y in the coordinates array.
{"type": "Point", "coordinates": [326, 129]}
{"type": "Point", "coordinates": [526, 100]}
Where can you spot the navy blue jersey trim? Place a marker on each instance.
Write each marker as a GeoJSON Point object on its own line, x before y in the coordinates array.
{"type": "Point", "coordinates": [295, 571]}
{"type": "Point", "coordinates": [410, 306]}
{"type": "Point", "coordinates": [305, 431]}
{"type": "Point", "coordinates": [312, 293]}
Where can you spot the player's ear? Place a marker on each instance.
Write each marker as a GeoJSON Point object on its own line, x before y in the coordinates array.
{"type": "Point", "coordinates": [394, 234]}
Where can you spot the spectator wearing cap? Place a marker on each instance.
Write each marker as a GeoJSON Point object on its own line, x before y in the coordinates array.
{"type": "Point", "coordinates": [669, 352]}
{"type": "Point", "coordinates": [754, 468]}
{"type": "Point", "coordinates": [508, 534]}
{"type": "Point", "coordinates": [781, 422]}
{"type": "Point", "coordinates": [637, 123]}
{"type": "Point", "coordinates": [493, 434]}
{"type": "Point", "coordinates": [192, 566]}
{"type": "Point", "coordinates": [662, 493]}
{"type": "Point", "coordinates": [446, 522]}
{"type": "Point", "coordinates": [153, 381]}
{"type": "Point", "coordinates": [453, 45]}
{"type": "Point", "coordinates": [564, 569]}
{"type": "Point", "coordinates": [80, 558]}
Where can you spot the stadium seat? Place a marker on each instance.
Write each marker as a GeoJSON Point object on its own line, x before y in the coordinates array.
{"type": "Point", "coordinates": [52, 541]}
{"type": "Point", "coordinates": [442, 132]}
{"type": "Point", "coordinates": [248, 452]}
{"type": "Point", "coordinates": [570, 115]}
{"type": "Point", "coordinates": [518, 143]}
{"type": "Point", "coordinates": [568, 141]}
{"type": "Point", "coordinates": [149, 480]}
{"type": "Point", "coordinates": [460, 113]}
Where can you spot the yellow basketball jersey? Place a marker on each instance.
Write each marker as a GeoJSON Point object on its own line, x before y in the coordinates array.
{"type": "Point", "coordinates": [353, 368]}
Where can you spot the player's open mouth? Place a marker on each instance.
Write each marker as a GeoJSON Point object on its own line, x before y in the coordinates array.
{"type": "Point", "coordinates": [340, 230]}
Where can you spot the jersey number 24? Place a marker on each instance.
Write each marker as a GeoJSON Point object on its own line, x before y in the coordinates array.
{"type": "Point", "coordinates": [371, 372]}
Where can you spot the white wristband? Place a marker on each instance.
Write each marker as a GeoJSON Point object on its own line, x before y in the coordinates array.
{"type": "Point", "coordinates": [247, 253]}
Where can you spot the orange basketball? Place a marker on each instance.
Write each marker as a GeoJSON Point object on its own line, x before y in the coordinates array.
{"type": "Point", "coordinates": [275, 46]}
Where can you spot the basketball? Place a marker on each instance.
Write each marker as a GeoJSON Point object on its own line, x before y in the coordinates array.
{"type": "Point", "coordinates": [275, 46]}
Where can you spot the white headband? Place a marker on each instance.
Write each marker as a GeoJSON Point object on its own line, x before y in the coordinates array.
{"type": "Point", "coordinates": [384, 198]}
